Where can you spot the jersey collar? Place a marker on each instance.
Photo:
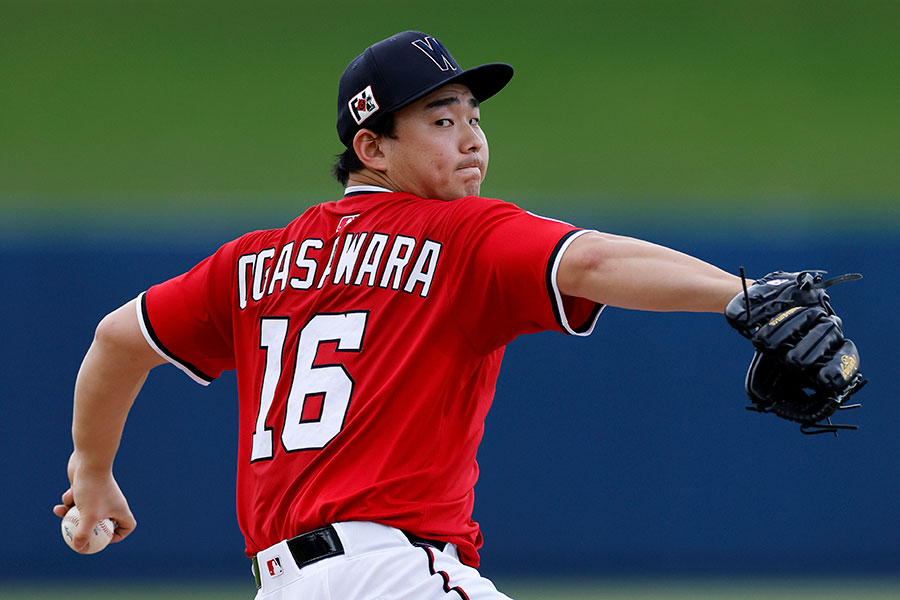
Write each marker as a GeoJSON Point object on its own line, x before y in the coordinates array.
{"type": "Point", "coordinates": [356, 190]}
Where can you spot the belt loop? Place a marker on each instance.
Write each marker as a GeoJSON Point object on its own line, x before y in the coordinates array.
{"type": "Point", "coordinates": [420, 541]}
{"type": "Point", "coordinates": [256, 573]}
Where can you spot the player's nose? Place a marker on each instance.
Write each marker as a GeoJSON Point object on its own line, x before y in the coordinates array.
{"type": "Point", "coordinates": [471, 139]}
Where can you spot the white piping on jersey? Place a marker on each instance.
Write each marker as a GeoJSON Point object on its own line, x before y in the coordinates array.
{"type": "Point", "coordinates": [365, 189]}
{"type": "Point", "coordinates": [557, 296]}
{"type": "Point", "coordinates": [549, 218]}
{"type": "Point", "coordinates": [149, 338]}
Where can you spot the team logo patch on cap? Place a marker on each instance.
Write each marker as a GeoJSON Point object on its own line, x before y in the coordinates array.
{"type": "Point", "coordinates": [363, 105]}
{"type": "Point", "coordinates": [274, 566]}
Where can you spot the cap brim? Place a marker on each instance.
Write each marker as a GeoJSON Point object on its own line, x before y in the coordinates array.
{"type": "Point", "coordinates": [484, 81]}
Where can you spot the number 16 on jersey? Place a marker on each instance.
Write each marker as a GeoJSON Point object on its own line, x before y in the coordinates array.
{"type": "Point", "coordinates": [332, 383]}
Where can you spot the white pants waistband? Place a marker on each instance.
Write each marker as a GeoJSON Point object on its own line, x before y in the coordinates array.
{"type": "Point", "coordinates": [276, 563]}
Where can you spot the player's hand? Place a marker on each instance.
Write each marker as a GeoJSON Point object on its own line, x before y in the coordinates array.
{"type": "Point", "coordinates": [98, 497]}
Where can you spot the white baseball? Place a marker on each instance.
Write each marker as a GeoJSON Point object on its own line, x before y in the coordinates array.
{"type": "Point", "coordinates": [101, 534]}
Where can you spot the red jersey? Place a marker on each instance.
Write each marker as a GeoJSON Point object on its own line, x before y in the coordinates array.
{"type": "Point", "coordinates": [367, 337]}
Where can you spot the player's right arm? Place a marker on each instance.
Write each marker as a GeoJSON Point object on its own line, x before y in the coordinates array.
{"type": "Point", "coordinates": [111, 375]}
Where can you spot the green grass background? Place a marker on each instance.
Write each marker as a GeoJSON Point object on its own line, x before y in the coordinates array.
{"type": "Point", "coordinates": [168, 109]}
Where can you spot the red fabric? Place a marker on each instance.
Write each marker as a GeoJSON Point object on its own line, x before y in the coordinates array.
{"type": "Point", "coordinates": [470, 275]}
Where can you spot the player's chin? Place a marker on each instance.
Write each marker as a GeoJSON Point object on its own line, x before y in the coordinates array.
{"type": "Point", "coordinates": [458, 187]}
{"type": "Point", "coordinates": [470, 185]}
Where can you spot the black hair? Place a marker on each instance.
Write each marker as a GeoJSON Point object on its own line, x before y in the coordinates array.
{"type": "Point", "coordinates": [348, 162]}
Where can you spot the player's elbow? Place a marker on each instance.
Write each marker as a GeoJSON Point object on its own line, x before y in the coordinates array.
{"type": "Point", "coordinates": [111, 331]}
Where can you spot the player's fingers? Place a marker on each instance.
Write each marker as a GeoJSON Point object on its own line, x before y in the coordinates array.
{"type": "Point", "coordinates": [67, 502]}
{"type": "Point", "coordinates": [124, 527]}
{"type": "Point", "coordinates": [125, 524]}
{"type": "Point", "coordinates": [84, 526]}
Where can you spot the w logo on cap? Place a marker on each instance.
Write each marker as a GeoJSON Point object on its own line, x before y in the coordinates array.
{"type": "Point", "coordinates": [434, 50]}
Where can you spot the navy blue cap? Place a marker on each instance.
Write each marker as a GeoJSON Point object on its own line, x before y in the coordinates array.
{"type": "Point", "coordinates": [398, 71]}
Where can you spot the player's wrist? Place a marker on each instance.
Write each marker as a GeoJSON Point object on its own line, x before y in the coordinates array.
{"type": "Point", "coordinates": [86, 464]}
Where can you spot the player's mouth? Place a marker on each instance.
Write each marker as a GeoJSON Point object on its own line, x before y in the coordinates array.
{"type": "Point", "coordinates": [470, 167]}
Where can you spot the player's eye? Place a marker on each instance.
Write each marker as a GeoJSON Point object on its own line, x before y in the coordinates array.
{"type": "Point", "coordinates": [475, 121]}
{"type": "Point", "coordinates": [443, 122]}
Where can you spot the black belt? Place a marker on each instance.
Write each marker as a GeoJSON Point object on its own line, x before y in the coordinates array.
{"type": "Point", "coordinates": [324, 543]}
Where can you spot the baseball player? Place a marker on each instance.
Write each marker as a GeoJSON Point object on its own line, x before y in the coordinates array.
{"type": "Point", "coordinates": [367, 336]}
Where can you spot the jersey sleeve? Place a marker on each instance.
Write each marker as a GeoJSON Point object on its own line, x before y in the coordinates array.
{"type": "Point", "coordinates": [508, 283]}
{"type": "Point", "coordinates": [187, 319]}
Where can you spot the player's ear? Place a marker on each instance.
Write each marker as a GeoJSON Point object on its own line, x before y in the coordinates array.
{"type": "Point", "coordinates": [368, 147]}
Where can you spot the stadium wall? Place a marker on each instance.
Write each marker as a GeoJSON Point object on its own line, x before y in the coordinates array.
{"type": "Point", "coordinates": [627, 452]}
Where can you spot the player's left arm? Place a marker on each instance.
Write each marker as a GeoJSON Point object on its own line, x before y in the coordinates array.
{"type": "Point", "coordinates": [111, 375]}
{"type": "Point", "coordinates": [635, 274]}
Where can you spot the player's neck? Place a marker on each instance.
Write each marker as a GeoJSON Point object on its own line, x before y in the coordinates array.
{"type": "Point", "coordinates": [370, 177]}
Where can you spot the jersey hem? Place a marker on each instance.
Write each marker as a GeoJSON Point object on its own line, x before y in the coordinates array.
{"type": "Point", "coordinates": [155, 343]}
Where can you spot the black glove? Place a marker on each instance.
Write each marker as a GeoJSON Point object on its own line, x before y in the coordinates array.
{"type": "Point", "coordinates": [803, 369]}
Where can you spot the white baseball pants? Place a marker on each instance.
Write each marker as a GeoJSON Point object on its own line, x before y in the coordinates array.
{"type": "Point", "coordinates": [379, 563]}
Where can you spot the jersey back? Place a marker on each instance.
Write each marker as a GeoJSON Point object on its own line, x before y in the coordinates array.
{"type": "Point", "coordinates": [367, 337]}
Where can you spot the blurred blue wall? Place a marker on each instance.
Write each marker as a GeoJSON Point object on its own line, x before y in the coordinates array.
{"type": "Point", "coordinates": [627, 452]}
